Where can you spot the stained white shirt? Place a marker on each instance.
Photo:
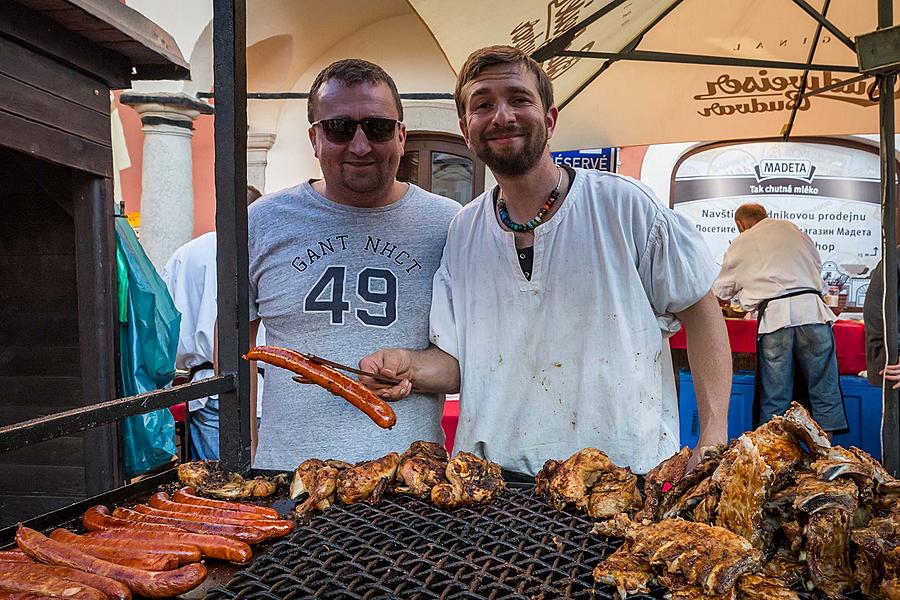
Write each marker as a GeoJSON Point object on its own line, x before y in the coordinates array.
{"type": "Point", "coordinates": [190, 276]}
{"type": "Point", "coordinates": [578, 355]}
{"type": "Point", "coordinates": [771, 259]}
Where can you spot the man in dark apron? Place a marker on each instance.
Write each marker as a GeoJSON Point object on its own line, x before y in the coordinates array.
{"type": "Point", "coordinates": [775, 269]}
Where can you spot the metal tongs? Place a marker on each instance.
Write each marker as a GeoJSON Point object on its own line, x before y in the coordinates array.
{"type": "Point", "coordinates": [341, 367]}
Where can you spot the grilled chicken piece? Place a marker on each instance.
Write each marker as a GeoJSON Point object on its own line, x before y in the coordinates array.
{"type": "Point", "coordinates": [305, 477]}
{"type": "Point", "coordinates": [630, 574]}
{"type": "Point", "coordinates": [238, 487]}
{"type": "Point", "coordinates": [709, 462]}
{"type": "Point", "coordinates": [421, 468]}
{"type": "Point", "coordinates": [744, 488]}
{"type": "Point", "coordinates": [890, 589]}
{"type": "Point", "coordinates": [760, 587]}
{"type": "Point", "coordinates": [813, 494]}
{"type": "Point", "coordinates": [615, 492]}
{"type": "Point", "coordinates": [703, 555]}
{"type": "Point", "coordinates": [620, 526]}
{"type": "Point", "coordinates": [322, 492]}
{"type": "Point", "coordinates": [669, 472]}
{"type": "Point", "coordinates": [800, 423]}
{"type": "Point", "coordinates": [590, 481]}
{"type": "Point", "coordinates": [569, 482]}
{"type": "Point", "coordinates": [472, 480]}
{"type": "Point", "coordinates": [691, 592]}
{"type": "Point", "coordinates": [828, 551]}
{"type": "Point", "coordinates": [366, 481]}
{"type": "Point", "coordinates": [197, 473]}
{"type": "Point", "coordinates": [785, 567]}
{"type": "Point", "coordinates": [840, 462]}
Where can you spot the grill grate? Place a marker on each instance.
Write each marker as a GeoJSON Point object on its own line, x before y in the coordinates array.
{"type": "Point", "coordinates": [517, 547]}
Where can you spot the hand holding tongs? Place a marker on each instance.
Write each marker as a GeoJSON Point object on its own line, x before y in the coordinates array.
{"type": "Point", "coordinates": [336, 365]}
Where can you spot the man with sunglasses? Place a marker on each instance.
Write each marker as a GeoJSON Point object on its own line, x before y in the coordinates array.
{"type": "Point", "coordinates": [555, 294]}
{"type": "Point", "coordinates": [341, 266]}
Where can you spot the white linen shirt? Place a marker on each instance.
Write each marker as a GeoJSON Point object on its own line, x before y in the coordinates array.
{"type": "Point", "coordinates": [771, 259]}
{"type": "Point", "coordinates": [190, 276]}
{"type": "Point", "coordinates": [577, 356]}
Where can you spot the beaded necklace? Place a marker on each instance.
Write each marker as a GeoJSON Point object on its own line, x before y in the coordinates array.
{"type": "Point", "coordinates": [503, 211]}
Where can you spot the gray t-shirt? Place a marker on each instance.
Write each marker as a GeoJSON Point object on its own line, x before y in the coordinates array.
{"type": "Point", "coordinates": [341, 282]}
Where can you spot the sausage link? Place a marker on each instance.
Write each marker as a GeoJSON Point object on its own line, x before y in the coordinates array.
{"type": "Point", "coordinates": [272, 527]}
{"type": "Point", "coordinates": [334, 381]}
{"type": "Point", "coordinates": [187, 495]}
{"type": "Point", "coordinates": [161, 501]}
{"type": "Point", "coordinates": [22, 596]}
{"type": "Point", "coordinates": [148, 514]}
{"type": "Point", "coordinates": [14, 555]}
{"type": "Point", "coordinates": [152, 584]}
{"type": "Point", "coordinates": [121, 554]}
{"type": "Point", "coordinates": [102, 525]}
{"type": "Point", "coordinates": [50, 580]}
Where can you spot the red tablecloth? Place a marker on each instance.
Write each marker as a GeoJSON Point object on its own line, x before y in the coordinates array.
{"type": "Point", "coordinates": [849, 339]}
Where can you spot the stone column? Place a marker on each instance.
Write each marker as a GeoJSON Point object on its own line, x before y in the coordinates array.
{"type": "Point", "coordinates": [167, 188]}
{"type": "Point", "coordinates": [258, 146]}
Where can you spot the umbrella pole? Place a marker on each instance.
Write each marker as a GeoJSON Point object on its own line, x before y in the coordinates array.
{"type": "Point", "coordinates": [890, 424]}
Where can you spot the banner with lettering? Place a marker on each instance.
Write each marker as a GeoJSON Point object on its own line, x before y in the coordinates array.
{"type": "Point", "coordinates": [601, 159]}
{"type": "Point", "coordinates": [831, 191]}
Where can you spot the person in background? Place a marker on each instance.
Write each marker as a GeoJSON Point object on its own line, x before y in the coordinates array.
{"type": "Point", "coordinates": [555, 296]}
{"type": "Point", "coordinates": [873, 319]}
{"type": "Point", "coordinates": [190, 276]}
{"type": "Point", "coordinates": [774, 268]}
{"type": "Point", "coordinates": [342, 265]}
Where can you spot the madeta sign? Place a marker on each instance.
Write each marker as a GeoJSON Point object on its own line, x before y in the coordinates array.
{"type": "Point", "coordinates": [601, 159]}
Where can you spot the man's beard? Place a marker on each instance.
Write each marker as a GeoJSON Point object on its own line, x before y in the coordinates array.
{"type": "Point", "coordinates": [514, 163]}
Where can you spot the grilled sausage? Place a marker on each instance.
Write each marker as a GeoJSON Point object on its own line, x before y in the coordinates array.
{"type": "Point", "coordinates": [235, 532]}
{"type": "Point", "coordinates": [161, 501]}
{"type": "Point", "coordinates": [14, 555]}
{"type": "Point", "coordinates": [335, 382]}
{"type": "Point", "coordinates": [187, 495]}
{"type": "Point", "coordinates": [272, 527]}
{"type": "Point", "coordinates": [50, 580]}
{"type": "Point", "coordinates": [22, 596]}
{"type": "Point", "coordinates": [152, 584]}
{"type": "Point", "coordinates": [121, 554]}
{"type": "Point", "coordinates": [102, 525]}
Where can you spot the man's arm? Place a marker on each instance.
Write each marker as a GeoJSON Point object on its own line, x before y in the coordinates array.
{"type": "Point", "coordinates": [709, 355]}
{"type": "Point", "coordinates": [431, 370]}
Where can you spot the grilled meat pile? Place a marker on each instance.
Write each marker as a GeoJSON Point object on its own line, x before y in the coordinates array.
{"type": "Point", "coordinates": [780, 507]}
{"type": "Point", "coordinates": [210, 480]}
{"type": "Point", "coordinates": [424, 470]}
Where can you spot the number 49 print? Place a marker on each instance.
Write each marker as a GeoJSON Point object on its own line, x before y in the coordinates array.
{"type": "Point", "coordinates": [328, 296]}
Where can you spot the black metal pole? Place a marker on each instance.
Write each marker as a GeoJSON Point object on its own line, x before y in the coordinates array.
{"type": "Point", "coordinates": [230, 84]}
{"type": "Point", "coordinates": [890, 424]}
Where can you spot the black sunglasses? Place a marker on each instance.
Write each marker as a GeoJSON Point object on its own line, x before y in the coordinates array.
{"type": "Point", "coordinates": [341, 131]}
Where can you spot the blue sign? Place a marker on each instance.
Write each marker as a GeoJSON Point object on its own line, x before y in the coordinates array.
{"type": "Point", "coordinates": [601, 159]}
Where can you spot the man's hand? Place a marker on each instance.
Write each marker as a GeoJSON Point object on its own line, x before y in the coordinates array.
{"type": "Point", "coordinates": [892, 373]}
{"type": "Point", "coordinates": [389, 362]}
{"type": "Point", "coordinates": [709, 355]}
{"type": "Point", "coordinates": [431, 370]}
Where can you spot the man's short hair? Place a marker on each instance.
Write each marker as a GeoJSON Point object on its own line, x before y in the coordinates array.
{"type": "Point", "coordinates": [253, 194]}
{"type": "Point", "coordinates": [492, 56]}
{"type": "Point", "coordinates": [350, 72]}
{"type": "Point", "coordinates": [752, 213]}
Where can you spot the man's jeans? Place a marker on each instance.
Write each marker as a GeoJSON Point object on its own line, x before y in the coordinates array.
{"type": "Point", "coordinates": [204, 431]}
{"type": "Point", "coordinates": [813, 348]}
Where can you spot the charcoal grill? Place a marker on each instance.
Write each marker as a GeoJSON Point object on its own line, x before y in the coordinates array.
{"type": "Point", "coordinates": [518, 547]}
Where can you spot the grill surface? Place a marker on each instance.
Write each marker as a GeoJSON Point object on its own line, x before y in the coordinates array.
{"type": "Point", "coordinates": [517, 547]}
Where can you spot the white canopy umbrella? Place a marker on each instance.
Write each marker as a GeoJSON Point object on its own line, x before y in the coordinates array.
{"type": "Point", "coordinates": [638, 93]}
{"type": "Point", "coordinates": [628, 72]}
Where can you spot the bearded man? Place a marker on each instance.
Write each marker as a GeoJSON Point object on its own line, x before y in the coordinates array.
{"type": "Point", "coordinates": [556, 292]}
